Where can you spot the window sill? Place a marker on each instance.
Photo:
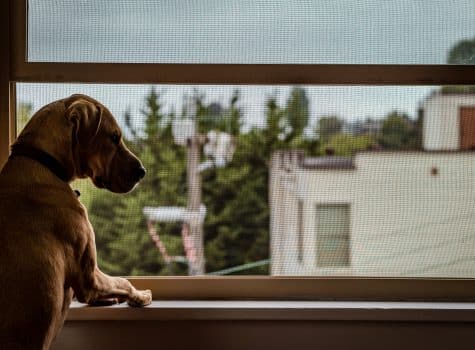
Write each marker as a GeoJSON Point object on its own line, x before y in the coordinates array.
{"type": "Point", "coordinates": [279, 311]}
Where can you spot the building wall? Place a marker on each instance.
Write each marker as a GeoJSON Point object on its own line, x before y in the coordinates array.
{"type": "Point", "coordinates": [405, 220]}
{"type": "Point", "coordinates": [409, 222]}
{"type": "Point", "coordinates": [289, 184]}
{"type": "Point", "coordinates": [441, 122]}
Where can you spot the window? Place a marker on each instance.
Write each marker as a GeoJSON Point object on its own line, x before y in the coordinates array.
{"type": "Point", "coordinates": [467, 128]}
{"type": "Point", "coordinates": [395, 195]}
{"type": "Point", "coordinates": [333, 235]}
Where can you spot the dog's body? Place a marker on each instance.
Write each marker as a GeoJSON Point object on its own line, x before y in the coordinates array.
{"type": "Point", "coordinates": [47, 247]}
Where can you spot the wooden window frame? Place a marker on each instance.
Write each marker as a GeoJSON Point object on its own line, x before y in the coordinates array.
{"type": "Point", "coordinates": [15, 68]}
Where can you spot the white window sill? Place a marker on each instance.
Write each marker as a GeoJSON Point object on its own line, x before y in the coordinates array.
{"type": "Point", "coordinates": [280, 310]}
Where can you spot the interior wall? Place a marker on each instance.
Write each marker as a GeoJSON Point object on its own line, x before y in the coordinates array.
{"type": "Point", "coordinates": [271, 335]}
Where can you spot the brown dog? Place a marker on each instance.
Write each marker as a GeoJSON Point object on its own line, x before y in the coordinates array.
{"type": "Point", "coordinates": [47, 247]}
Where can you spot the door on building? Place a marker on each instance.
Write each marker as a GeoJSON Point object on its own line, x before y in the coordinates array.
{"type": "Point", "coordinates": [467, 128]}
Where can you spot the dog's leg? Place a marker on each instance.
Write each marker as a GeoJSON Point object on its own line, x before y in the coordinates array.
{"type": "Point", "coordinates": [102, 288]}
{"type": "Point", "coordinates": [120, 288]}
{"type": "Point", "coordinates": [67, 297]}
{"type": "Point", "coordinates": [92, 286]}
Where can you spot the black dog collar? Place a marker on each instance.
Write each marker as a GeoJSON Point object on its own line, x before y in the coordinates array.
{"type": "Point", "coordinates": [42, 157]}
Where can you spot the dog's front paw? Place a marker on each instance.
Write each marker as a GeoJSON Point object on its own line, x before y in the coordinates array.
{"type": "Point", "coordinates": [104, 302]}
{"type": "Point", "coordinates": [140, 298]}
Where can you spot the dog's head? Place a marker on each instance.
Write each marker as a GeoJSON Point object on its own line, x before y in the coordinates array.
{"type": "Point", "coordinates": [98, 148]}
{"type": "Point", "coordinates": [84, 137]}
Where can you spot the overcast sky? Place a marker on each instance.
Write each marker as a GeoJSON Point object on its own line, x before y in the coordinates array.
{"type": "Point", "coordinates": [247, 31]}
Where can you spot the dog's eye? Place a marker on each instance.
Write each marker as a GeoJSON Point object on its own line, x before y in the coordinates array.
{"type": "Point", "coordinates": [116, 138]}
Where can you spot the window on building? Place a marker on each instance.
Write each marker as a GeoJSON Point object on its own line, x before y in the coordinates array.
{"type": "Point", "coordinates": [467, 128]}
{"type": "Point", "coordinates": [333, 235]}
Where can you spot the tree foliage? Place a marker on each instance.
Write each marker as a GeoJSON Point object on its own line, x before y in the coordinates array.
{"type": "Point", "coordinates": [23, 115]}
{"type": "Point", "coordinates": [462, 53]}
{"type": "Point", "coordinates": [399, 132]}
{"type": "Point", "coordinates": [237, 220]}
{"type": "Point", "coordinates": [347, 144]}
{"type": "Point", "coordinates": [297, 111]}
{"type": "Point", "coordinates": [328, 127]}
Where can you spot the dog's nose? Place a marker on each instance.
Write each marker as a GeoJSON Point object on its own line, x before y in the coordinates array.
{"type": "Point", "coordinates": [140, 172]}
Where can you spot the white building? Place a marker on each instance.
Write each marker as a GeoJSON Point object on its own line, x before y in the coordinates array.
{"type": "Point", "coordinates": [381, 213]}
{"type": "Point", "coordinates": [449, 122]}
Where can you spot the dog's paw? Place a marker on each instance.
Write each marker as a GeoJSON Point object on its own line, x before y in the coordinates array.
{"type": "Point", "coordinates": [140, 298]}
{"type": "Point", "coordinates": [104, 302]}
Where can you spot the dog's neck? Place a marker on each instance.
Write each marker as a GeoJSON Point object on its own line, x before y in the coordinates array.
{"type": "Point", "coordinates": [42, 157]}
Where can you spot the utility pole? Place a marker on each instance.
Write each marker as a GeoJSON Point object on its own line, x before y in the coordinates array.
{"type": "Point", "coordinates": [220, 147]}
{"type": "Point", "coordinates": [196, 265]}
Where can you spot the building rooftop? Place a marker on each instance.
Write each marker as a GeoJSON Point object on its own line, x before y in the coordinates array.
{"type": "Point", "coordinates": [327, 162]}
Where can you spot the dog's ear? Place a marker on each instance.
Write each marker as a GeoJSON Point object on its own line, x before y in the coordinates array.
{"type": "Point", "coordinates": [86, 118]}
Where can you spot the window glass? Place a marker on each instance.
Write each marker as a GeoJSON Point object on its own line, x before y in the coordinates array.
{"type": "Point", "coordinates": [252, 31]}
{"type": "Point", "coordinates": [290, 180]}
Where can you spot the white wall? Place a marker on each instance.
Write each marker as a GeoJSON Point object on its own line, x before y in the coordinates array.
{"type": "Point", "coordinates": [409, 222]}
{"type": "Point", "coordinates": [441, 121]}
{"type": "Point", "coordinates": [404, 220]}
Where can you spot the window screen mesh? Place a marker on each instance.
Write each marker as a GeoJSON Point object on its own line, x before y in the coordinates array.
{"type": "Point", "coordinates": [291, 180]}
{"type": "Point", "coordinates": [252, 31]}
